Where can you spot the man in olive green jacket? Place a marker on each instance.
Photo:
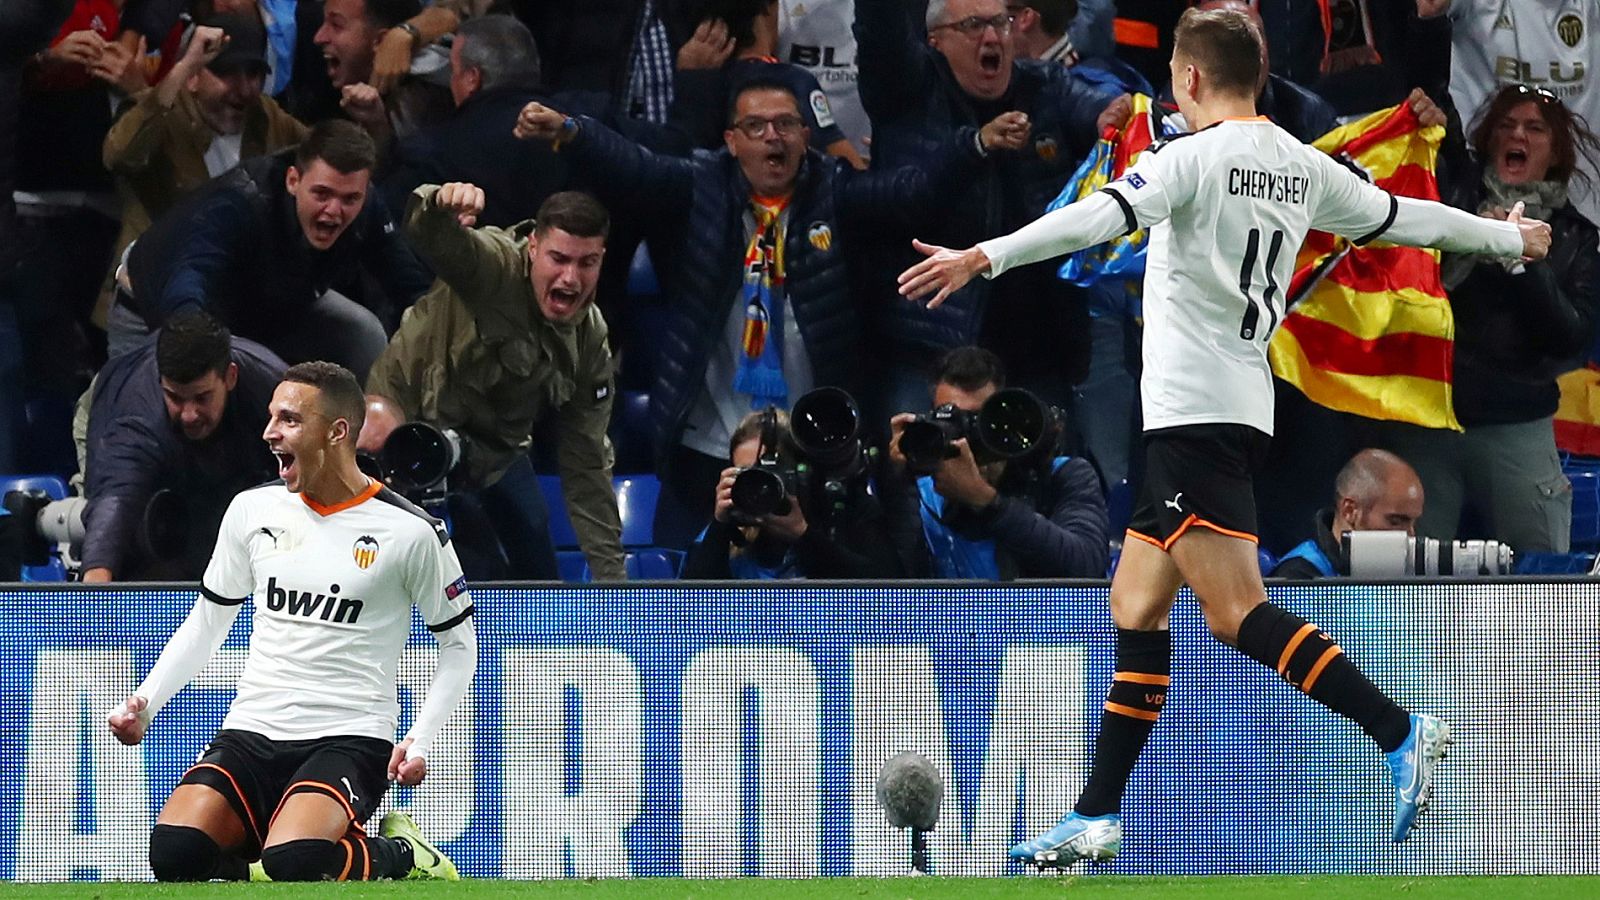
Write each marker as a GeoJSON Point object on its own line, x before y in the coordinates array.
{"type": "Point", "coordinates": [509, 335]}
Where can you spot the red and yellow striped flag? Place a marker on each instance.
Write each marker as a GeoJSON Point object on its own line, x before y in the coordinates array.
{"type": "Point", "coordinates": [1578, 415]}
{"type": "Point", "coordinates": [1374, 336]}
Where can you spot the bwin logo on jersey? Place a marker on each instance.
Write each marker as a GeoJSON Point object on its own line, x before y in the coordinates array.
{"type": "Point", "coordinates": [365, 551]}
{"type": "Point", "coordinates": [328, 607]}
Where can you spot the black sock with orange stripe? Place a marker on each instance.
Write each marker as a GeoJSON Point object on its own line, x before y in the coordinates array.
{"type": "Point", "coordinates": [377, 857]}
{"type": "Point", "coordinates": [1309, 659]}
{"type": "Point", "coordinates": [1138, 691]}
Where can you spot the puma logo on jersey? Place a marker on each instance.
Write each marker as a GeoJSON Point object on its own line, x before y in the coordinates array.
{"type": "Point", "coordinates": [1175, 502]}
{"type": "Point", "coordinates": [349, 788]}
{"type": "Point", "coordinates": [272, 534]}
{"type": "Point", "coordinates": [328, 607]}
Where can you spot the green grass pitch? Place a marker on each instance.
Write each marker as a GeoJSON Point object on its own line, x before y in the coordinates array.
{"type": "Point", "coordinates": [1032, 888]}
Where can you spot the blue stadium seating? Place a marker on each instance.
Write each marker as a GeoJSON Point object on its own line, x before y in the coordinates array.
{"type": "Point", "coordinates": [1119, 508]}
{"type": "Point", "coordinates": [56, 489]}
{"type": "Point", "coordinates": [1585, 477]}
{"type": "Point", "coordinates": [636, 501]}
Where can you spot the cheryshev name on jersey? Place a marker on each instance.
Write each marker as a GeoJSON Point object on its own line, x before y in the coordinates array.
{"type": "Point", "coordinates": [1272, 186]}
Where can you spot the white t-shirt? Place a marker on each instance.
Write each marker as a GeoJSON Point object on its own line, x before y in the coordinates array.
{"type": "Point", "coordinates": [333, 592]}
{"type": "Point", "coordinates": [1549, 44]}
{"type": "Point", "coordinates": [1227, 208]}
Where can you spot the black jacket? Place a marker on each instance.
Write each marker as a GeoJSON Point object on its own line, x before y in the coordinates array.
{"type": "Point", "coordinates": [235, 248]}
{"type": "Point", "coordinates": [476, 145]}
{"type": "Point", "coordinates": [915, 103]}
{"type": "Point", "coordinates": [134, 451]}
{"type": "Point", "coordinates": [700, 203]}
{"type": "Point", "coordinates": [1058, 529]}
{"type": "Point", "coordinates": [1515, 333]}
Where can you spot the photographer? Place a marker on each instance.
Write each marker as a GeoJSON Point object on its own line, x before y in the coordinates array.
{"type": "Point", "coordinates": [184, 413]}
{"type": "Point", "coordinates": [507, 338]}
{"type": "Point", "coordinates": [1036, 515]}
{"type": "Point", "coordinates": [794, 542]}
{"type": "Point", "coordinates": [1375, 491]}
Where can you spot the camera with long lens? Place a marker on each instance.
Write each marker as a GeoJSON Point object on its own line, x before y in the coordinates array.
{"type": "Point", "coordinates": [1011, 424]}
{"type": "Point", "coordinates": [56, 525]}
{"type": "Point", "coordinates": [831, 462]}
{"type": "Point", "coordinates": [1378, 555]}
{"type": "Point", "coordinates": [416, 461]}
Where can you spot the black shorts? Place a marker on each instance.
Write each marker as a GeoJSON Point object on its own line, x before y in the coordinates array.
{"type": "Point", "coordinates": [256, 774]}
{"type": "Point", "coordinates": [1199, 475]}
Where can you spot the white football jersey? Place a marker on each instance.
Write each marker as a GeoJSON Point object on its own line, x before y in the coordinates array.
{"type": "Point", "coordinates": [333, 589]}
{"type": "Point", "coordinates": [1227, 208]}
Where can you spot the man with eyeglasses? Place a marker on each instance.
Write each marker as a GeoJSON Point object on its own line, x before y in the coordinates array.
{"type": "Point", "coordinates": [917, 90]}
{"type": "Point", "coordinates": [760, 240]}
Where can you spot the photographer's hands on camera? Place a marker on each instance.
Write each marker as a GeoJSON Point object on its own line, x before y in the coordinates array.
{"type": "Point", "coordinates": [959, 479]}
{"type": "Point", "coordinates": [789, 527]}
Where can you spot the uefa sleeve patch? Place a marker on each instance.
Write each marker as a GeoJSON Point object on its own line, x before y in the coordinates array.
{"type": "Point", "coordinates": [1135, 181]}
{"type": "Point", "coordinates": [455, 588]}
{"type": "Point", "coordinates": [821, 109]}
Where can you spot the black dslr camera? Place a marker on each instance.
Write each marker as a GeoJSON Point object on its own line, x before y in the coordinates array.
{"type": "Point", "coordinates": [416, 461]}
{"type": "Point", "coordinates": [830, 464]}
{"type": "Point", "coordinates": [1011, 424]}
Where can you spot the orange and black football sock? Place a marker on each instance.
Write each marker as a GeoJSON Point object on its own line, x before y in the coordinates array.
{"type": "Point", "coordinates": [1309, 659]}
{"type": "Point", "coordinates": [1138, 691]}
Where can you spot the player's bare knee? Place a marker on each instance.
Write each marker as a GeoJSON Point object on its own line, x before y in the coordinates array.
{"type": "Point", "coordinates": [307, 860]}
{"type": "Point", "coordinates": [181, 853]}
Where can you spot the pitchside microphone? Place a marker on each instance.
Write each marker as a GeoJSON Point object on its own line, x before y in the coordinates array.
{"type": "Point", "coordinates": [910, 791]}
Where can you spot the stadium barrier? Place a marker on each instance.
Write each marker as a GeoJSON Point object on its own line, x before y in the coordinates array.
{"type": "Point", "coordinates": [731, 731]}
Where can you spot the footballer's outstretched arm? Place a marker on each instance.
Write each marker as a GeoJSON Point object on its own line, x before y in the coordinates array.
{"type": "Point", "coordinates": [1095, 219]}
{"type": "Point", "coordinates": [186, 652]}
{"type": "Point", "coordinates": [1422, 223]}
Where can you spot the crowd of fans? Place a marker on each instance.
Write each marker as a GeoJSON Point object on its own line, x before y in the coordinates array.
{"type": "Point", "coordinates": [459, 202]}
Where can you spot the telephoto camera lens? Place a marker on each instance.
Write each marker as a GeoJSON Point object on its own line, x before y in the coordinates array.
{"type": "Point", "coordinates": [760, 492]}
{"type": "Point", "coordinates": [826, 425]}
{"type": "Point", "coordinates": [418, 456]}
{"type": "Point", "coordinates": [1010, 424]}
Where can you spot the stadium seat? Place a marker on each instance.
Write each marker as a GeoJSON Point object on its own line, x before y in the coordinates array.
{"type": "Point", "coordinates": [1266, 560]}
{"type": "Point", "coordinates": [572, 566]}
{"type": "Point", "coordinates": [642, 281]}
{"type": "Point", "coordinates": [630, 432]}
{"type": "Point", "coordinates": [562, 535]}
{"type": "Point", "coordinates": [654, 564]}
{"type": "Point", "coordinates": [1119, 508]}
{"type": "Point", "coordinates": [1554, 563]}
{"type": "Point", "coordinates": [1585, 478]}
{"type": "Point", "coordinates": [636, 500]}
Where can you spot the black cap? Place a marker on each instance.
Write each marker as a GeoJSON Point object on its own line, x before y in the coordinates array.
{"type": "Point", "coordinates": [247, 43]}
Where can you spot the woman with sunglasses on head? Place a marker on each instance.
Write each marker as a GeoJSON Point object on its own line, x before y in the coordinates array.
{"type": "Point", "coordinates": [1518, 325]}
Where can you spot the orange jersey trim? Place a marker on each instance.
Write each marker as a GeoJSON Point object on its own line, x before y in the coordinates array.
{"type": "Point", "coordinates": [1328, 656]}
{"type": "Point", "coordinates": [1143, 678]}
{"type": "Point", "coordinates": [1195, 520]}
{"type": "Point", "coordinates": [1294, 644]}
{"type": "Point", "coordinates": [243, 800]}
{"type": "Point", "coordinates": [349, 858]}
{"type": "Point", "coordinates": [371, 490]}
{"type": "Point", "coordinates": [1130, 712]}
{"type": "Point", "coordinates": [329, 789]}
{"type": "Point", "coordinates": [1147, 539]}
